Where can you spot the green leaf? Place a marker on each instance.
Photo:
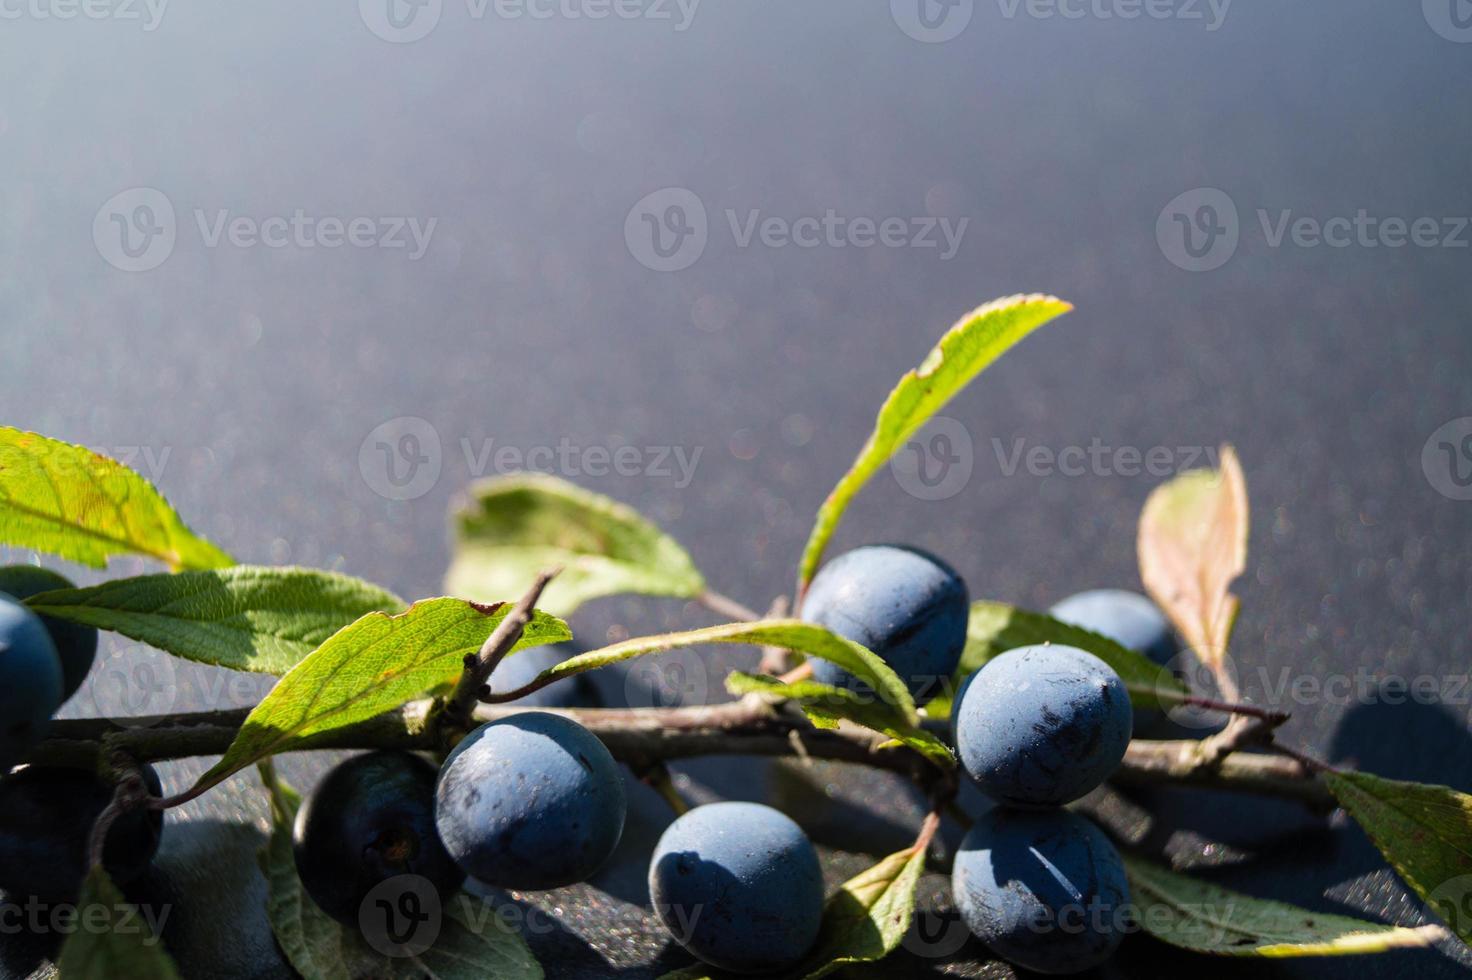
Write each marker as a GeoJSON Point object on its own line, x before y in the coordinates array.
{"type": "Point", "coordinates": [377, 664]}
{"type": "Point", "coordinates": [1192, 547]}
{"type": "Point", "coordinates": [513, 527]}
{"type": "Point", "coordinates": [825, 705]}
{"type": "Point", "coordinates": [471, 941]}
{"type": "Point", "coordinates": [1424, 831]}
{"type": "Point", "coordinates": [864, 921]}
{"type": "Point", "coordinates": [966, 350]}
{"type": "Point", "coordinates": [1202, 917]}
{"type": "Point", "coordinates": [995, 627]}
{"type": "Point", "coordinates": [868, 917]}
{"type": "Point", "coordinates": [112, 939]}
{"type": "Point", "coordinates": [313, 942]}
{"type": "Point", "coordinates": [67, 500]}
{"type": "Point", "coordinates": [790, 634]}
{"type": "Point", "coordinates": [245, 618]}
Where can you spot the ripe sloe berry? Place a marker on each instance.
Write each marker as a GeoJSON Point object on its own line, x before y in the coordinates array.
{"type": "Point", "coordinates": [370, 819]}
{"type": "Point", "coordinates": [1043, 889]}
{"type": "Point", "coordinates": [739, 886]}
{"type": "Point", "coordinates": [532, 801]}
{"type": "Point", "coordinates": [46, 818]}
{"type": "Point", "coordinates": [907, 606]}
{"type": "Point", "coordinates": [1043, 725]}
{"type": "Point", "coordinates": [76, 643]}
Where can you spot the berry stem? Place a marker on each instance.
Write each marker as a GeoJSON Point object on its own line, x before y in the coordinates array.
{"type": "Point", "coordinates": [727, 607]}
{"type": "Point", "coordinates": [456, 714]}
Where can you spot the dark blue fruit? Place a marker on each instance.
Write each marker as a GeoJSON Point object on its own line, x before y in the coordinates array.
{"type": "Point", "coordinates": [75, 643]}
{"type": "Point", "coordinates": [907, 606]}
{"type": "Point", "coordinates": [46, 817]}
{"type": "Point", "coordinates": [1127, 618]}
{"type": "Point", "coordinates": [369, 820]}
{"type": "Point", "coordinates": [1043, 889]}
{"type": "Point", "coordinates": [30, 682]}
{"type": "Point", "coordinates": [1043, 725]}
{"type": "Point", "coordinates": [532, 801]}
{"type": "Point", "coordinates": [518, 670]}
{"type": "Point", "coordinates": [739, 886]}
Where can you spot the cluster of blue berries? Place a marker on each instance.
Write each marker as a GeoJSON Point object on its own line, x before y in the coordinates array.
{"type": "Point", "coordinates": [1036, 728]}
{"type": "Point", "coordinates": [47, 811]}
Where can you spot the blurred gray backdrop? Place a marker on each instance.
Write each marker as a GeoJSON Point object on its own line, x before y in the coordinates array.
{"type": "Point", "coordinates": [246, 246]}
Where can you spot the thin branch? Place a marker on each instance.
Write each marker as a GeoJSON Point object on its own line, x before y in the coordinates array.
{"type": "Point", "coordinates": [473, 683]}
{"type": "Point", "coordinates": [130, 794]}
{"type": "Point", "coordinates": [642, 736]}
{"type": "Point", "coordinates": [727, 607]}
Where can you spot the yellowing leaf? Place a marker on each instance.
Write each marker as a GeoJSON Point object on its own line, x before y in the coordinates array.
{"type": "Point", "coordinates": [67, 500]}
{"type": "Point", "coordinates": [1192, 547]}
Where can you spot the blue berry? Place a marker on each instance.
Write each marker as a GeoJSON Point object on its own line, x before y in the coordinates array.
{"type": "Point", "coordinates": [518, 670]}
{"type": "Point", "coordinates": [30, 682]}
{"type": "Point", "coordinates": [908, 607]}
{"type": "Point", "coordinates": [1043, 889]}
{"type": "Point", "coordinates": [369, 820]}
{"type": "Point", "coordinates": [739, 886]}
{"type": "Point", "coordinates": [531, 801]}
{"type": "Point", "coordinates": [1043, 725]}
{"type": "Point", "coordinates": [1127, 618]}
{"type": "Point", "coordinates": [46, 818]}
{"type": "Point", "coordinates": [76, 644]}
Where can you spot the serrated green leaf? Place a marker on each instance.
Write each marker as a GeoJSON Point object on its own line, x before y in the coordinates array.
{"type": "Point", "coordinates": [966, 350]}
{"type": "Point", "coordinates": [825, 705]}
{"type": "Point", "coordinates": [789, 634]}
{"type": "Point", "coordinates": [1205, 918]}
{"type": "Point", "coordinates": [377, 664]}
{"type": "Point", "coordinates": [471, 941]}
{"type": "Point", "coordinates": [864, 921]}
{"type": "Point", "coordinates": [1192, 546]}
{"type": "Point", "coordinates": [513, 527]}
{"type": "Point", "coordinates": [67, 500]}
{"type": "Point", "coordinates": [112, 939]}
{"type": "Point", "coordinates": [245, 618]}
{"type": "Point", "coordinates": [1424, 831]}
{"type": "Point", "coordinates": [995, 627]}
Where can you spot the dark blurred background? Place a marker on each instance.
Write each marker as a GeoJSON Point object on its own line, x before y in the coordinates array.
{"type": "Point", "coordinates": [179, 181]}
